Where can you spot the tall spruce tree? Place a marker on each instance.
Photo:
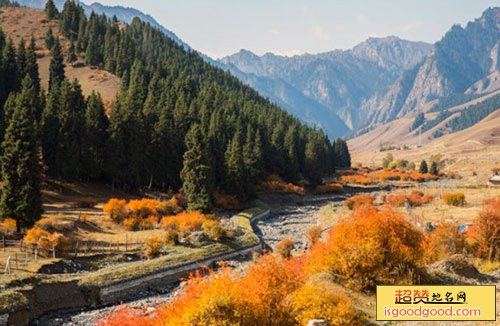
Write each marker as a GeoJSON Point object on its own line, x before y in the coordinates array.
{"type": "Point", "coordinates": [342, 156]}
{"type": "Point", "coordinates": [50, 39]}
{"type": "Point", "coordinates": [21, 175]}
{"type": "Point", "coordinates": [423, 167]}
{"type": "Point", "coordinates": [196, 174]}
{"type": "Point", "coordinates": [10, 68]}
{"type": "Point", "coordinates": [50, 131]}
{"type": "Point", "coordinates": [434, 168]}
{"type": "Point", "coordinates": [51, 10]}
{"type": "Point", "coordinates": [71, 57]}
{"type": "Point", "coordinates": [236, 176]}
{"type": "Point", "coordinates": [32, 65]}
{"type": "Point", "coordinates": [56, 68]}
{"type": "Point", "coordinates": [95, 137]}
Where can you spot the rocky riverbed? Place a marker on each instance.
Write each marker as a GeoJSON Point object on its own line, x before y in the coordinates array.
{"type": "Point", "coordinates": [288, 219]}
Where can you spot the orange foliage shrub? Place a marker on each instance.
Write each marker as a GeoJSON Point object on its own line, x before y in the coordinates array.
{"type": "Point", "coordinates": [9, 223]}
{"type": "Point", "coordinates": [457, 199]}
{"type": "Point", "coordinates": [272, 293]}
{"type": "Point", "coordinates": [428, 199]}
{"type": "Point", "coordinates": [116, 209]}
{"type": "Point", "coordinates": [154, 247]}
{"type": "Point", "coordinates": [172, 237]}
{"type": "Point", "coordinates": [192, 221]}
{"type": "Point", "coordinates": [485, 238]}
{"type": "Point", "coordinates": [284, 248]}
{"type": "Point", "coordinates": [47, 240]}
{"type": "Point", "coordinates": [226, 202]}
{"type": "Point", "coordinates": [144, 208]}
{"type": "Point", "coordinates": [128, 317]}
{"type": "Point", "coordinates": [314, 234]}
{"type": "Point", "coordinates": [214, 230]}
{"type": "Point", "coordinates": [277, 186]}
{"type": "Point", "coordinates": [132, 223]}
{"type": "Point", "coordinates": [396, 200]}
{"type": "Point", "coordinates": [315, 302]}
{"type": "Point", "coordinates": [375, 177]}
{"type": "Point", "coordinates": [358, 178]}
{"type": "Point", "coordinates": [416, 198]}
{"type": "Point", "coordinates": [330, 188]}
{"type": "Point", "coordinates": [444, 241]}
{"type": "Point", "coordinates": [359, 200]}
{"type": "Point", "coordinates": [368, 248]}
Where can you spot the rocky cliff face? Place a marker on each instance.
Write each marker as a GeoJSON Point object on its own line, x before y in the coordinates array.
{"type": "Point", "coordinates": [465, 60]}
{"type": "Point", "coordinates": [336, 82]}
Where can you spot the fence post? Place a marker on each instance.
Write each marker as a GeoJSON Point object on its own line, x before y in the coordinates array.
{"type": "Point", "coordinates": [26, 257]}
{"type": "Point", "coordinates": [126, 242]}
{"type": "Point", "coordinates": [36, 256]}
{"type": "Point", "coordinates": [16, 262]}
{"type": "Point", "coordinates": [54, 252]}
{"type": "Point", "coordinates": [7, 266]}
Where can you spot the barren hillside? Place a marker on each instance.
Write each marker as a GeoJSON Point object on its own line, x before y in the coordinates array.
{"type": "Point", "coordinates": [21, 22]}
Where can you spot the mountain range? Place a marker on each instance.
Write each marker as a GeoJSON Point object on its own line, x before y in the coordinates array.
{"type": "Point", "coordinates": [332, 83]}
{"type": "Point", "coordinates": [379, 80]}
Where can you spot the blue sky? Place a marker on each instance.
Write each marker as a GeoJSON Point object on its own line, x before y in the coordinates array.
{"type": "Point", "coordinates": [222, 27]}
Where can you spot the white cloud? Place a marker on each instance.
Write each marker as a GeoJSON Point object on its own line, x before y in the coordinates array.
{"type": "Point", "coordinates": [409, 27]}
{"type": "Point", "coordinates": [320, 33]}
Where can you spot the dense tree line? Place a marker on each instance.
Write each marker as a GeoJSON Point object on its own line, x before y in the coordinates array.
{"type": "Point", "coordinates": [474, 113]}
{"type": "Point", "coordinates": [7, 3]}
{"type": "Point", "coordinates": [178, 123]}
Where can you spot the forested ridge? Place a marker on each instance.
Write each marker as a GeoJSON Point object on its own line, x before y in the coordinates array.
{"type": "Point", "coordinates": [178, 123]}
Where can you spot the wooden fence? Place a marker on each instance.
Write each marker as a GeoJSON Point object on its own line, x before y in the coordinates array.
{"type": "Point", "coordinates": [20, 253]}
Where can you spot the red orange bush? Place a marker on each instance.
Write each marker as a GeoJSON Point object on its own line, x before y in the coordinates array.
{"type": "Point", "coordinates": [444, 241]}
{"type": "Point", "coordinates": [277, 186]}
{"type": "Point", "coordinates": [368, 247]}
{"type": "Point", "coordinates": [330, 188]}
{"type": "Point", "coordinates": [485, 237]}
{"type": "Point", "coordinates": [359, 200]}
{"type": "Point", "coordinates": [186, 222]}
{"type": "Point", "coordinates": [284, 248]}
{"type": "Point", "coordinates": [396, 200]}
{"type": "Point", "coordinates": [47, 240]}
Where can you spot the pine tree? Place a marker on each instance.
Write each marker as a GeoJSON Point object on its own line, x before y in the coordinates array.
{"type": "Point", "coordinates": [9, 68]}
{"type": "Point", "coordinates": [92, 54]}
{"type": "Point", "coordinates": [32, 65]}
{"type": "Point", "coordinates": [236, 178]}
{"type": "Point", "coordinates": [434, 168]}
{"type": "Point", "coordinates": [56, 69]}
{"type": "Point", "coordinates": [21, 59]}
{"type": "Point", "coordinates": [71, 57]}
{"type": "Point", "coordinates": [96, 135]}
{"type": "Point", "coordinates": [196, 174]}
{"type": "Point", "coordinates": [51, 10]}
{"type": "Point", "coordinates": [21, 175]}
{"type": "Point", "coordinates": [50, 39]}
{"type": "Point", "coordinates": [423, 167]}
{"type": "Point", "coordinates": [50, 132]}
{"type": "Point", "coordinates": [342, 155]}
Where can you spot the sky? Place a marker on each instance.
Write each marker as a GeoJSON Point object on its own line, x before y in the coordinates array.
{"type": "Point", "coordinates": [219, 28]}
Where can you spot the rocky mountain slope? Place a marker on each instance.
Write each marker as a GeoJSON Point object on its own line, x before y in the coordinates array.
{"type": "Point", "coordinates": [336, 82]}
{"type": "Point", "coordinates": [464, 61]}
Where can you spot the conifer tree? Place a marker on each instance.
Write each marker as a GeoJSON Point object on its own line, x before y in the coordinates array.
{"type": "Point", "coordinates": [32, 65]}
{"type": "Point", "coordinates": [10, 68]}
{"type": "Point", "coordinates": [50, 39]}
{"type": "Point", "coordinates": [21, 195]}
{"type": "Point", "coordinates": [71, 57]}
{"type": "Point", "coordinates": [196, 174]}
{"type": "Point", "coordinates": [50, 132]}
{"type": "Point", "coordinates": [342, 156]}
{"type": "Point", "coordinates": [56, 68]}
{"type": "Point", "coordinates": [96, 125]}
{"type": "Point", "coordinates": [434, 168]}
{"type": "Point", "coordinates": [21, 59]}
{"type": "Point", "coordinates": [236, 178]}
{"type": "Point", "coordinates": [91, 54]}
{"type": "Point", "coordinates": [423, 167]}
{"type": "Point", "coordinates": [51, 10]}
